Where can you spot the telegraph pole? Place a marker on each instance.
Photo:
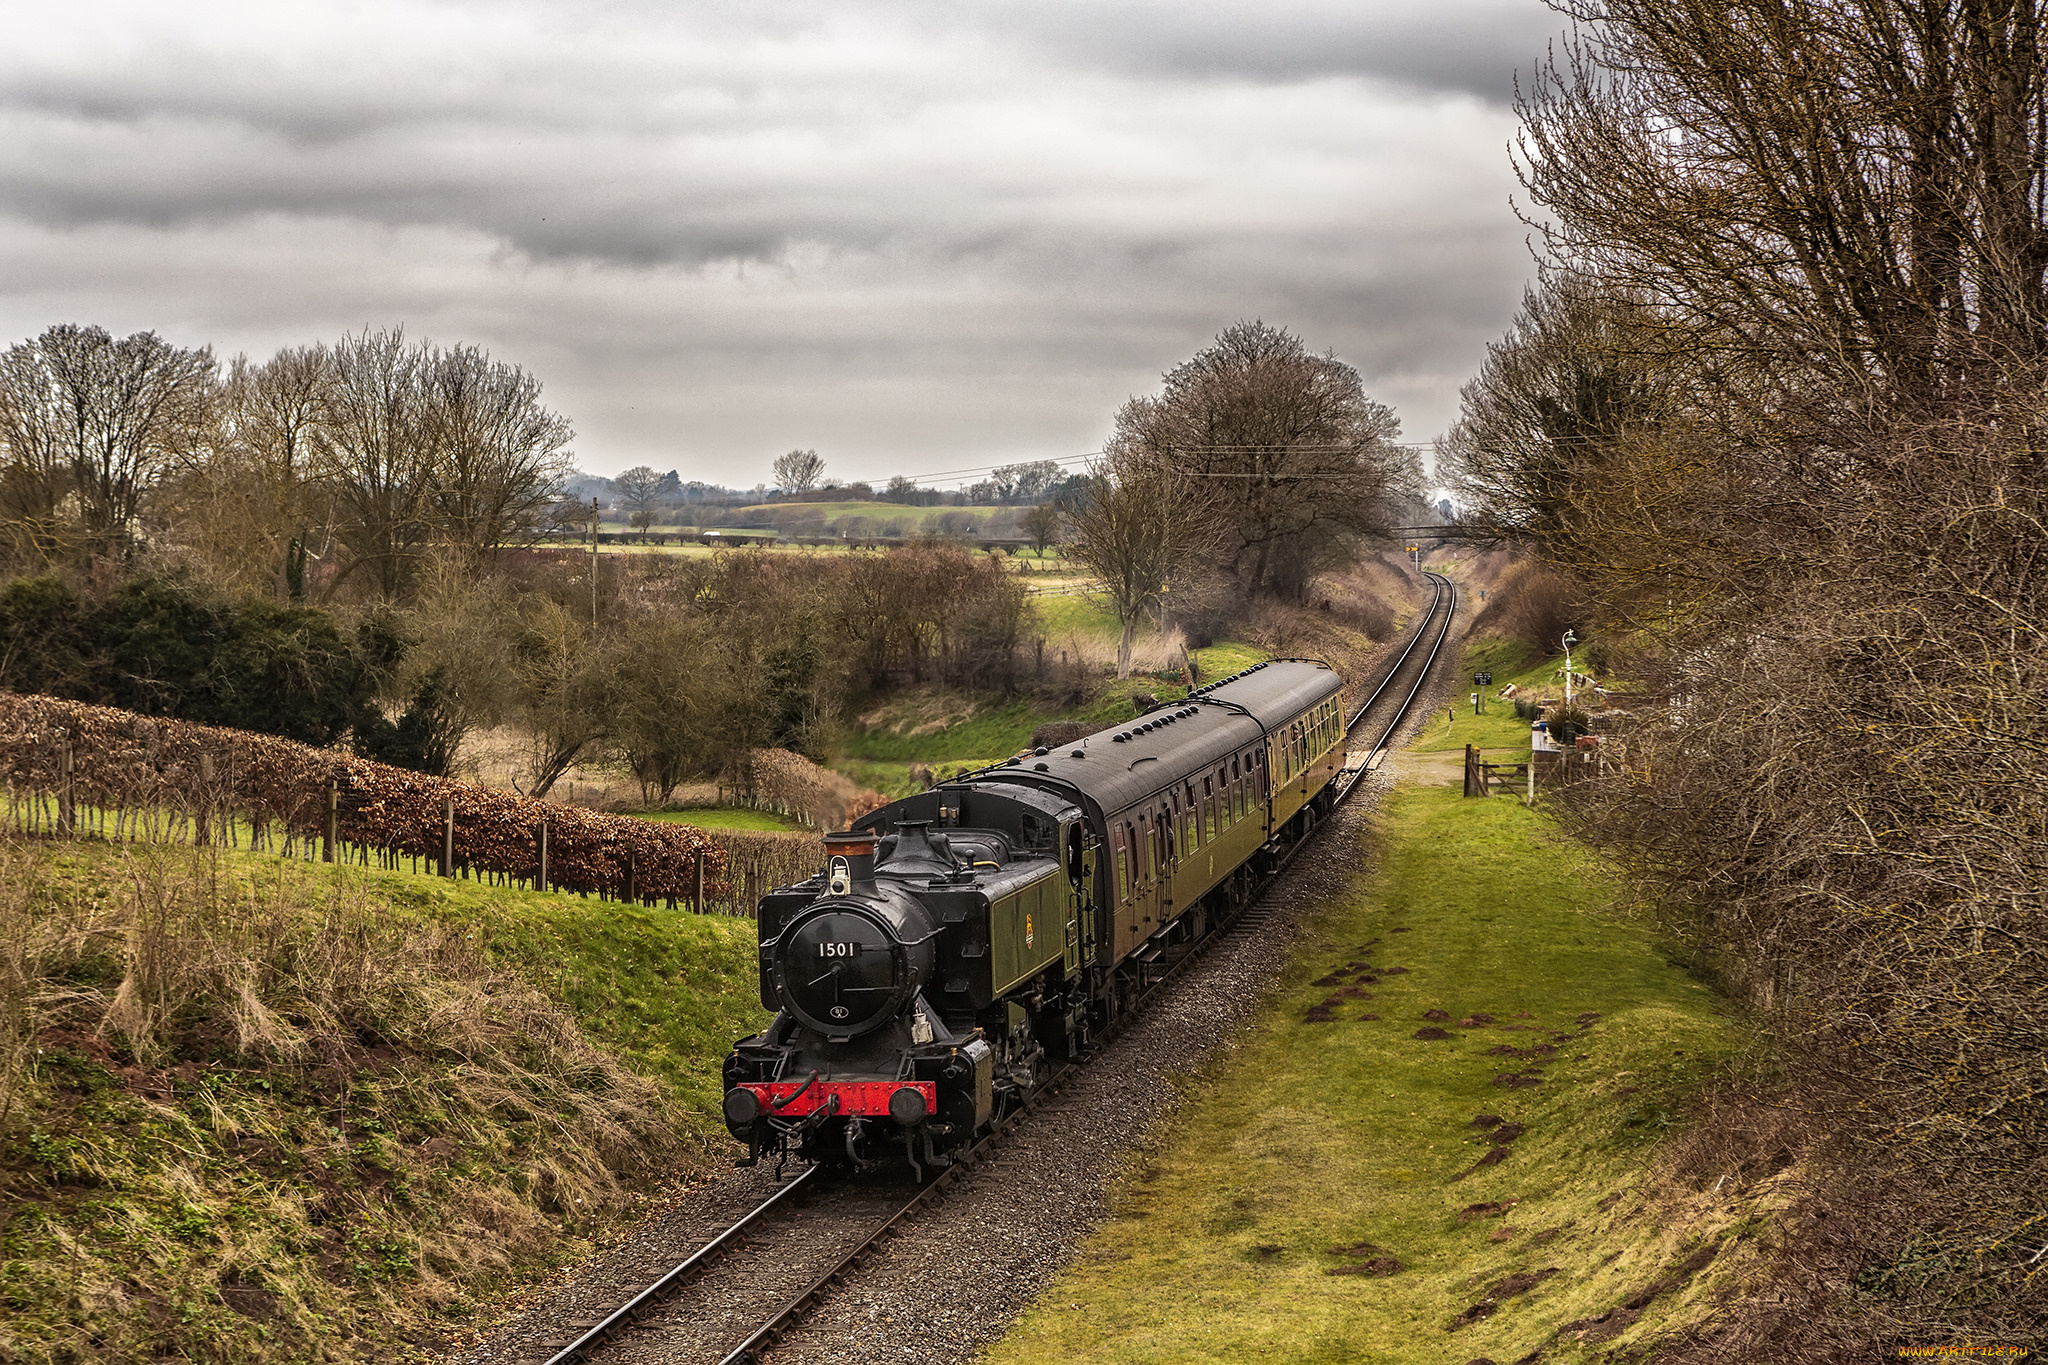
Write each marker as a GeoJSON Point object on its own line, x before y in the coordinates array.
{"type": "Point", "coordinates": [593, 568]}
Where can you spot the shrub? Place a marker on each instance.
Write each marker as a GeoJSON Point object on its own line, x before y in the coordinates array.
{"type": "Point", "coordinates": [165, 647]}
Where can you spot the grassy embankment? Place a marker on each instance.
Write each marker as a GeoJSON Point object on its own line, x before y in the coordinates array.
{"type": "Point", "coordinates": [723, 817]}
{"type": "Point", "coordinates": [253, 1109]}
{"type": "Point", "coordinates": [1500, 735]}
{"type": "Point", "coordinates": [1337, 1190]}
{"type": "Point", "coordinates": [951, 733]}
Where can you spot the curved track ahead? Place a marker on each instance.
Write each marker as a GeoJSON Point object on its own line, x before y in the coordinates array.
{"type": "Point", "coordinates": [1403, 683]}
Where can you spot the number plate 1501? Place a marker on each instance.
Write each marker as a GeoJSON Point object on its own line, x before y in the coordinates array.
{"type": "Point", "coordinates": [838, 950]}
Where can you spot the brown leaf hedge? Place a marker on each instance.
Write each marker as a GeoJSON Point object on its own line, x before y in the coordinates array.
{"type": "Point", "coordinates": [136, 771]}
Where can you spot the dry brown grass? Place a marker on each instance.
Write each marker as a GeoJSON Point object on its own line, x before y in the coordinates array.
{"type": "Point", "coordinates": [236, 1101]}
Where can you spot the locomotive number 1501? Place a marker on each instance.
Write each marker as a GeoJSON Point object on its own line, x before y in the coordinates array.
{"type": "Point", "coordinates": [838, 950]}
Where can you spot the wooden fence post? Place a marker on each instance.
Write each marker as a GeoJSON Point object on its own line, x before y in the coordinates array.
{"type": "Point", "coordinates": [543, 883]}
{"type": "Point", "coordinates": [200, 832]}
{"type": "Point", "coordinates": [333, 831]}
{"type": "Point", "coordinates": [447, 836]}
{"type": "Point", "coordinates": [698, 904]}
{"type": "Point", "coordinates": [1475, 776]}
{"type": "Point", "coordinates": [67, 804]}
{"type": "Point", "coordinates": [632, 876]}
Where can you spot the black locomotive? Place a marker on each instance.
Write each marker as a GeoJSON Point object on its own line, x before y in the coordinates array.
{"type": "Point", "coordinates": [960, 940]}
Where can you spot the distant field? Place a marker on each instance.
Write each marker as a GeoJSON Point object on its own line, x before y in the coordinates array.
{"type": "Point", "coordinates": [875, 517]}
{"type": "Point", "coordinates": [835, 512]}
{"type": "Point", "coordinates": [720, 817]}
{"type": "Point", "coordinates": [1077, 614]}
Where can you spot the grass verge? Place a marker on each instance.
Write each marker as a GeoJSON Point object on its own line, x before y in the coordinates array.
{"type": "Point", "coordinates": [1498, 731]}
{"type": "Point", "coordinates": [722, 817]}
{"type": "Point", "coordinates": [1434, 1144]}
{"type": "Point", "coordinates": [258, 1110]}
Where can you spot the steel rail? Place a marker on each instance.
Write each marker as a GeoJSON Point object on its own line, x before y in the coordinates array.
{"type": "Point", "coordinates": [784, 1317]}
{"type": "Point", "coordinates": [1446, 590]}
{"type": "Point", "coordinates": [677, 1275]}
{"type": "Point", "coordinates": [764, 1336]}
{"type": "Point", "coordinates": [1422, 628]}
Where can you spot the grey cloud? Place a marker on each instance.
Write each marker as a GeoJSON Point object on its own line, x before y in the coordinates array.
{"type": "Point", "coordinates": [1471, 47]}
{"type": "Point", "coordinates": [909, 236]}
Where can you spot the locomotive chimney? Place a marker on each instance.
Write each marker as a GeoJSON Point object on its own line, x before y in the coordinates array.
{"type": "Point", "coordinates": [857, 848]}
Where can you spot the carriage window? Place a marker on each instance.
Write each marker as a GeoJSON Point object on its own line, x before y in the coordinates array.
{"type": "Point", "coordinates": [1208, 808]}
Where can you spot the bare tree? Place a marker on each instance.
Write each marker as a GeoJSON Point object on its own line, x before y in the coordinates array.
{"type": "Point", "coordinates": [1853, 191]}
{"type": "Point", "coordinates": [247, 506]}
{"type": "Point", "coordinates": [565, 692]}
{"type": "Point", "coordinates": [639, 486]}
{"type": "Point", "coordinates": [799, 471]}
{"type": "Point", "coordinates": [1043, 523]}
{"type": "Point", "coordinates": [1138, 524]}
{"type": "Point", "coordinates": [99, 420]}
{"type": "Point", "coordinates": [498, 454]}
{"type": "Point", "coordinates": [1587, 434]}
{"type": "Point", "coordinates": [1300, 462]}
{"type": "Point", "coordinates": [375, 460]}
{"type": "Point", "coordinates": [36, 475]}
{"type": "Point", "coordinates": [675, 692]}
{"type": "Point", "coordinates": [418, 445]}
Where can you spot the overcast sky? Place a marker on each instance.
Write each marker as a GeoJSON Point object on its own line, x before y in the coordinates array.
{"type": "Point", "coordinates": [916, 236]}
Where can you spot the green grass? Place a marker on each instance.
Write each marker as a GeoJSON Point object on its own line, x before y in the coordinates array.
{"type": "Point", "coordinates": [1497, 731]}
{"type": "Point", "coordinates": [897, 779]}
{"type": "Point", "coordinates": [1228, 657]}
{"type": "Point", "coordinates": [951, 733]}
{"type": "Point", "coordinates": [934, 728]}
{"type": "Point", "coordinates": [1310, 1137]}
{"type": "Point", "coordinates": [1076, 614]}
{"type": "Point", "coordinates": [722, 817]}
{"type": "Point", "coordinates": [665, 991]}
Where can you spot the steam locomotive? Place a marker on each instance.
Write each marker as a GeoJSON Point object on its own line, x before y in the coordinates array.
{"type": "Point", "coordinates": [960, 941]}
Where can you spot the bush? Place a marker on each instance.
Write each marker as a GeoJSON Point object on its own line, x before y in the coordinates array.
{"type": "Point", "coordinates": [167, 647]}
{"type": "Point", "coordinates": [1533, 606]}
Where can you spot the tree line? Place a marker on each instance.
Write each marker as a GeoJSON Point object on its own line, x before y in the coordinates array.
{"type": "Point", "coordinates": [324, 471]}
{"type": "Point", "coordinates": [683, 663]}
{"type": "Point", "coordinates": [340, 544]}
{"type": "Point", "coordinates": [1778, 407]}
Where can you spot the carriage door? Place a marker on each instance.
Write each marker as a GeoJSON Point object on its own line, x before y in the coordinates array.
{"type": "Point", "coordinates": [1167, 822]}
{"type": "Point", "coordinates": [1080, 858]}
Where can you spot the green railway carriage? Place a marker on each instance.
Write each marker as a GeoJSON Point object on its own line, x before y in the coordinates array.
{"type": "Point", "coordinates": [960, 938]}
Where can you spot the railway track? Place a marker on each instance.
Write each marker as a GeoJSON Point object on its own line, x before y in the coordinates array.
{"type": "Point", "coordinates": [1402, 684]}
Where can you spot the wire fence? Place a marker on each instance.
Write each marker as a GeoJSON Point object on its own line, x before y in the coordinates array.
{"type": "Point", "coordinates": [91, 772]}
